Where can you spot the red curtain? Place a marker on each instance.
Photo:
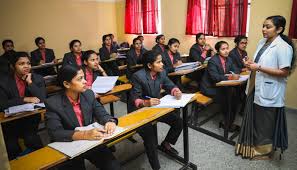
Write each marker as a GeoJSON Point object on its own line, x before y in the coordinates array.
{"type": "Point", "coordinates": [150, 16]}
{"type": "Point", "coordinates": [222, 18]}
{"type": "Point", "coordinates": [141, 16]}
{"type": "Point", "coordinates": [293, 22]}
{"type": "Point", "coordinates": [133, 17]}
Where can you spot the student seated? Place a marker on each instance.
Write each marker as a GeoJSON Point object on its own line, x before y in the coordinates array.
{"type": "Point", "coordinates": [43, 55]}
{"type": "Point", "coordinates": [74, 56]}
{"type": "Point", "coordinates": [171, 59]}
{"type": "Point", "coordinates": [91, 67]}
{"type": "Point", "coordinates": [221, 68]}
{"type": "Point", "coordinates": [147, 84]}
{"type": "Point", "coordinates": [160, 46]}
{"type": "Point", "coordinates": [200, 50]}
{"type": "Point", "coordinates": [134, 57]}
{"type": "Point", "coordinates": [113, 42]}
{"type": "Point", "coordinates": [77, 106]}
{"type": "Point", "coordinates": [6, 57]}
{"type": "Point", "coordinates": [20, 87]}
{"type": "Point", "coordinates": [238, 54]}
{"type": "Point", "coordinates": [106, 52]}
{"type": "Point", "coordinates": [141, 37]}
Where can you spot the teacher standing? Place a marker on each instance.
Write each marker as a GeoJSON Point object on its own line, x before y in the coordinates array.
{"type": "Point", "coordinates": [264, 123]}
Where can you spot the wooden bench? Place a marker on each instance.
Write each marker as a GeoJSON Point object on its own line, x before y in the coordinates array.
{"type": "Point", "coordinates": [52, 89]}
{"type": "Point", "coordinates": [123, 79]}
{"type": "Point", "coordinates": [109, 99]}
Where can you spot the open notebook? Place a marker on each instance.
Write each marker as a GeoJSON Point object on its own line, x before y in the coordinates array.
{"type": "Point", "coordinates": [187, 66]}
{"type": "Point", "coordinates": [104, 84]}
{"type": "Point", "coordinates": [169, 101]}
{"type": "Point", "coordinates": [241, 79]}
{"type": "Point", "coordinates": [75, 148]}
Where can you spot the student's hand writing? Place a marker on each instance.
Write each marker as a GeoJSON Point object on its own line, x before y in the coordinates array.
{"type": "Point", "coordinates": [110, 127]}
{"type": "Point", "coordinates": [31, 100]}
{"type": "Point", "coordinates": [151, 102]}
{"type": "Point", "coordinates": [94, 134]}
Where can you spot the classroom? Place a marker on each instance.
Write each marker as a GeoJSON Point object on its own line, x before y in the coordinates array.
{"type": "Point", "coordinates": [148, 84]}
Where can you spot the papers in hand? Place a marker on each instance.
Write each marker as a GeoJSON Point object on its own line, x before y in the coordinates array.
{"type": "Point", "coordinates": [75, 148]}
{"type": "Point", "coordinates": [22, 108]}
{"type": "Point", "coordinates": [169, 101]}
{"type": "Point", "coordinates": [187, 66]}
{"type": "Point", "coordinates": [104, 84]}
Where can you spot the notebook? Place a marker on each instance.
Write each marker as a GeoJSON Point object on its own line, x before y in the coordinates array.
{"type": "Point", "coordinates": [104, 84]}
{"type": "Point", "coordinates": [22, 108]}
{"type": "Point", "coordinates": [169, 101]}
{"type": "Point", "coordinates": [75, 148]}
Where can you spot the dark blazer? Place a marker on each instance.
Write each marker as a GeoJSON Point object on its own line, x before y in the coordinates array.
{"type": "Point", "coordinates": [49, 57]}
{"type": "Point", "coordinates": [158, 49]}
{"type": "Point", "coordinates": [195, 54]}
{"type": "Point", "coordinates": [5, 60]}
{"type": "Point", "coordinates": [69, 58]}
{"type": "Point", "coordinates": [214, 73]}
{"type": "Point", "coordinates": [237, 58]}
{"type": "Point", "coordinates": [10, 95]}
{"type": "Point", "coordinates": [111, 68]}
{"type": "Point", "coordinates": [60, 117]}
{"type": "Point", "coordinates": [168, 66]}
{"type": "Point", "coordinates": [132, 60]}
{"type": "Point", "coordinates": [144, 85]}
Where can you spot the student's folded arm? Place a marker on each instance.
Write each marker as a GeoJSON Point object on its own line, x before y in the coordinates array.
{"type": "Point", "coordinates": [195, 55]}
{"type": "Point", "coordinates": [37, 88]}
{"type": "Point", "coordinates": [5, 102]}
{"type": "Point", "coordinates": [214, 73]}
{"type": "Point", "coordinates": [102, 55]}
{"type": "Point", "coordinates": [130, 61]}
{"type": "Point", "coordinates": [34, 60]}
{"type": "Point", "coordinates": [55, 127]}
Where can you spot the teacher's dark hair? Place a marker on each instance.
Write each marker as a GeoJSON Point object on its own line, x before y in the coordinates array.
{"type": "Point", "coordinates": [149, 57]}
{"type": "Point", "coordinates": [279, 21]}
{"type": "Point", "coordinates": [67, 73]}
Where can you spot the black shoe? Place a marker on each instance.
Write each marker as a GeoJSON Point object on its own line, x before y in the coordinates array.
{"type": "Point", "coordinates": [170, 151]}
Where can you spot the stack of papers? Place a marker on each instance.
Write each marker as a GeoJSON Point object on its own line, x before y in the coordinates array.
{"type": "Point", "coordinates": [22, 108]}
{"type": "Point", "coordinates": [104, 84]}
{"type": "Point", "coordinates": [169, 101]}
{"type": "Point", "coordinates": [187, 66]}
{"type": "Point", "coordinates": [75, 148]}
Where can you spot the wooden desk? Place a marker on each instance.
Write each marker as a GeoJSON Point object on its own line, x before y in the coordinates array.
{"type": "Point", "coordinates": [118, 89]}
{"type": "Point", "coordinates": [47, 65]}
{"type": "Point", "coordinates": [184, 72]}
{"type": "Point", "coordinates": [47, 157]}
{"type": "Point", "coordinates": [4, 119]}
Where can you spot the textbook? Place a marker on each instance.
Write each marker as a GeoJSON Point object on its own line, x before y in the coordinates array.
{"type": "Point", "coordinates": [22, 108]}
{"type": "Point", "coordinates": [75, 148]}
{"type": "Point", "coordinates": [242, 78]}
{"type": "Point", "coordinates": [187, 66]}
{"type": "Point", "coordinates": [169, 101]}
{"type": "Point", "coordinates": [104, 84]}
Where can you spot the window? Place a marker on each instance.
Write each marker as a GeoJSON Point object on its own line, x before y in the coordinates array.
{"type": "Point", "coordinates": [142, 17]}
{"type": "Point", "coordinates": [221, 18]}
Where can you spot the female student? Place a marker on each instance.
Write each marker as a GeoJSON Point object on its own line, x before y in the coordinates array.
{"type": "Point", "coordinates": [264, 123]}
{"type": "Point", "coordinates": [171, 59]}
{"type": "Point", "coordinates": [20, 87]}
{"type": "Point", "coordinates": [238, 54]}
{"type": "Point", "coordinates": [43, 55]}
{"type": "Point", "coordinates": [91, 67]}
{"type": "Point", "coordinates": [106, 52]}
{"type": "Point", "coordinates": [134, 57]}
{"type": "Point", "coordinates": [75, 107]}
{"type": "Point", "coordinates": [221, 68]}
{"type": "Point", "coordinates": [73, 57]}
{"type": "Point", "coordinates": [200, 50]}
{"type": "Point", "coordinates": [7, 56]}
{"type": "Point", "coordinates": [160, 46]}
{"type": "Point", "coordinates": [147, 84]}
